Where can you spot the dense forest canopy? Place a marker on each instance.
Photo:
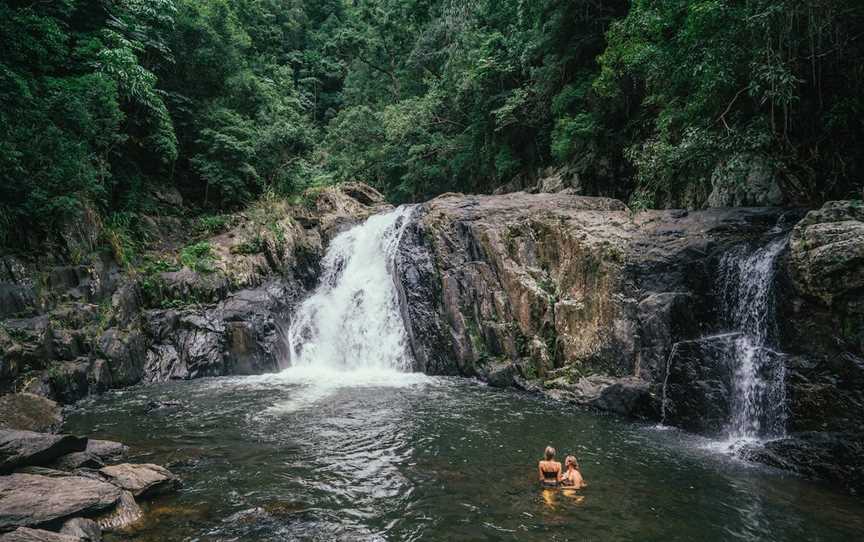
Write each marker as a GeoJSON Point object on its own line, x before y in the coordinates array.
{"type": "Point", "coordinates": [106, 103]}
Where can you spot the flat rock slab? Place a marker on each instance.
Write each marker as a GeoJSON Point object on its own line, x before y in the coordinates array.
{"type": "Point", "coordinates": [26, 448]}
{"type": "Point", "coordinates": [30, 500]}
{"type": "Point", "coordinates": [23, 534]}
{"type": "Point", "coordinates": [145, 480]}
{"type": "Point", "coordinates": [28, 412]}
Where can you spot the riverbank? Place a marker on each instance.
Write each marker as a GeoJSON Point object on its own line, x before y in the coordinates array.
{"type": "Point", "coordinates": [58, 487]}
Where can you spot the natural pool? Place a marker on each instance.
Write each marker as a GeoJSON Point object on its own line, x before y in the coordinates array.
{"type": "Point", "coordinates": [308, 455]}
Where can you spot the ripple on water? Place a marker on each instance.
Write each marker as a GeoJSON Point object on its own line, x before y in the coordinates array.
{"type": "Point", "coordinates": [310, 456]}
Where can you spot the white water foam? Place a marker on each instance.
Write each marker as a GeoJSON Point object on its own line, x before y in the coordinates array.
{"type": "Point", "coordinates": [349, 332]}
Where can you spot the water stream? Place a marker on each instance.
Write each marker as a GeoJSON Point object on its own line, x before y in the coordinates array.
{"type": "Point", "coordinates": [758, 398]}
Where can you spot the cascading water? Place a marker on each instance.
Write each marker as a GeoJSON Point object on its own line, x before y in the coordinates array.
{"type": "Point", "coordinates": [352, 320]}
{"type": "Point", "coordinates": [758, 373]}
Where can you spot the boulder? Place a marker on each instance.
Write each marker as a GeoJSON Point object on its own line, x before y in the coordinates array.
{"type": "Point", "coordinates": [23, 448]}
{"type": "Point", "coordinates": [145, 480]}
{"type": "Point", "coordinates": [24, 534]}
{"type": "Point", "coordinates": [28, 412]}
{"type": "Point", "coordinates": [827, 251]}
{"type": "Point", "coordinates": [28, 500]}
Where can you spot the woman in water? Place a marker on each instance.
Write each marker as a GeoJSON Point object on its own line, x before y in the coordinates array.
{"type": "Point", "coordinates": [572, 478]}
{"type": "Point", "coordinates": [550, 470]}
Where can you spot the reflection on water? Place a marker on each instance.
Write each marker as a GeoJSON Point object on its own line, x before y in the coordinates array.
{"type": "Point", "coordinates": [304, 456]}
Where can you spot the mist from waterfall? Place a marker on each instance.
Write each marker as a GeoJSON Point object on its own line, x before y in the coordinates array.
{"type": "Point", "coordinates": [758, 391]}
{"type": "Point", "coordinates": [352, 320]}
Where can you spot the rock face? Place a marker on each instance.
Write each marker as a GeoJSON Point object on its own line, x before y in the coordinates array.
{"type": "Point", "coordinates": [576, 292]}
{"type": "Point", "coordinates": [94, 326]}
{"type": "Point", "coordinates": [821, 321]}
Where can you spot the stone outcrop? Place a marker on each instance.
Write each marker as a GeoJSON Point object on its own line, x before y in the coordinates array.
{"type": "Point", "coordinates": [578, 294]}
{"type": "Point", "coordinates": [31, 500]}
{"type": "Point", "coordinates": [70, 330]}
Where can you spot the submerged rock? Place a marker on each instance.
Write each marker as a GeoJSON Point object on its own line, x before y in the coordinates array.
{"type": "Point", "coordinates": [23, 448]}
{"type": "Point", "coordinates": [834, 457]}
{"type": "Point", "coordinates": [84, 529]}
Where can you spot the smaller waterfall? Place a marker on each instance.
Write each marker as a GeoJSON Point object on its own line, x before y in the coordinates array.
{"type": "Point", "coordinates": [352, 320]}
{"type": "Point", "coordinates": [758, 393]}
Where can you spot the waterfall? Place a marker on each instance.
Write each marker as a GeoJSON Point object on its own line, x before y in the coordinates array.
{"type": "Point", "coordinates": [352, 320]}
{"type": "Point", "coordinates": [758, 393]}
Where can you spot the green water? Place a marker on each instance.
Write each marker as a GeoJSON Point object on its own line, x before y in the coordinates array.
{"type": "Point", "coordinates": [414, 458]}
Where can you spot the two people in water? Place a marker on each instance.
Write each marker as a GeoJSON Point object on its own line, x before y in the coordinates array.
{"type": "Point", "coordinates": [552, 475]}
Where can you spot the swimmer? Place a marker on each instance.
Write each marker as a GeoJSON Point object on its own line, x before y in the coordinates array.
{"type": "Point", "coordinates": [550, 470]}
{"type": "Point", "coordinates": [572, 478]}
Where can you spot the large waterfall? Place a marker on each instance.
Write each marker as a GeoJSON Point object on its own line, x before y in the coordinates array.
{"type": "Point", "coordinates": [352, 320]}
{"type": "Point", "coordinates": [758, 390]}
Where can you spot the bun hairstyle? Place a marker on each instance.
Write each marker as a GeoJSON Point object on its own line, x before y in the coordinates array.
{"type": "Point", "coordinates": [549, 453]}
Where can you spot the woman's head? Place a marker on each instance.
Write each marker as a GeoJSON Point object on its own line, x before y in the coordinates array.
{"type": "Point", "coordinates": [549, 453]}
{"type": "Point", "coordinates": [570, 461]}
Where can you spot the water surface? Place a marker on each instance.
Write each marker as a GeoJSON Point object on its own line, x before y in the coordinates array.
{"type": "Point", "coordinates": [299, 456]}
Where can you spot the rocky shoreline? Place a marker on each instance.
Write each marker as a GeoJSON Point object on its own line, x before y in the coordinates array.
{"type": "Point", "coordinates": [64, 488]}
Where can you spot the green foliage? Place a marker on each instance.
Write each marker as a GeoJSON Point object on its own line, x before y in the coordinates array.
{"type": "Point", "coordinates": [198, 257]}
{"type": "Point", "coordinates": [104, 103]}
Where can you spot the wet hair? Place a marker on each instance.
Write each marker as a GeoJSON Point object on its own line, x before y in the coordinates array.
{"type": "Point", "coordinates": [571, 459]}
{"type": "Point", "coordinates": [549, 453]}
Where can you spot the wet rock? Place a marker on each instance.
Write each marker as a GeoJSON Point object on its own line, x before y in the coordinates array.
{"type": "Point", "coordinates": [31, 500]}
{"type": "Point", "coordinates": [77, 460]}
{"type": "Point", "coordinates": [23, 448]}
{"type": "Point", "coordinates": [503, 375]}
{"type": "Point", "coordinates": [145, 480]}
{"type": "Point", "coordinates": [125, 352]}
{"type": "Point", "coordinates": [28, 412]}
{"type": "Point", "coordinates": [836, 457]}
{"type": "Point", "coordinates": [69, 380]}
{"type": "Point", "coordinates": [125, 513]}
{"type": "Point", "coordinates": [84, 529]}
{"type": "Point", "coordinates": [24, 534]}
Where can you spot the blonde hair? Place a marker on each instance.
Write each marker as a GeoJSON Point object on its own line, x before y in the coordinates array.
{"type": "Point", "coordinates": [549, 453]}
{"type": "Point", "coordinates": [571, 460]}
